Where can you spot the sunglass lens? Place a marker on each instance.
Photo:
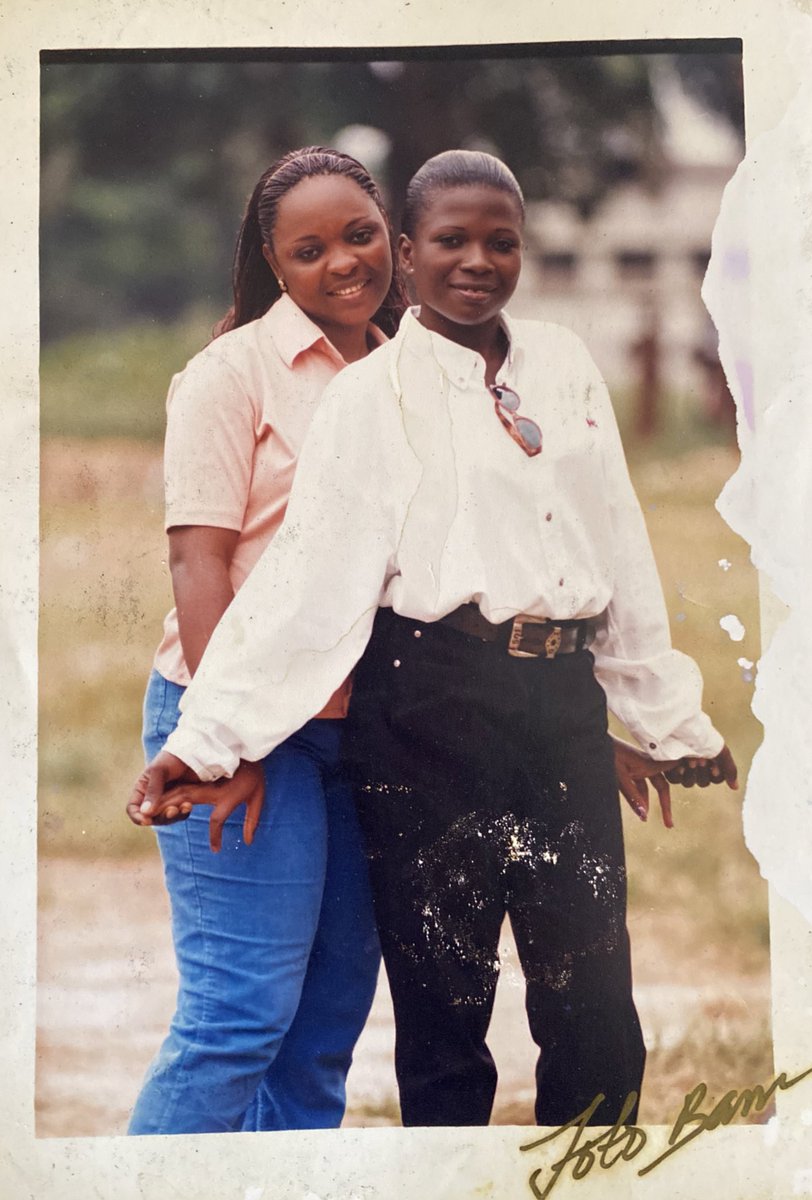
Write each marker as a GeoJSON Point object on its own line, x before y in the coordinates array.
{"type": "Point", "coordinates": [507, 398]}
{"type": "Point", "coordinates": [529, 431]}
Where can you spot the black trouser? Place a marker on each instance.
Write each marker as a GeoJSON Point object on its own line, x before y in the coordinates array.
{"type": "Point", "coordinates": [487, 786]}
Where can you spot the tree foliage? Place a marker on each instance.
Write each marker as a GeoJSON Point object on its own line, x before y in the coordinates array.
{"type": "Point", "coordinates": [146, 165]}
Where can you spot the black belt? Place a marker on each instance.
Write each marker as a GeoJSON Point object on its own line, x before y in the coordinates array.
{"type": "Point", "coordinates": [524, 636]}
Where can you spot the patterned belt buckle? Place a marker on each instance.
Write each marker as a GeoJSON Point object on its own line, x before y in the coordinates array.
{"type": "Point", "coordinates": [551, 644]}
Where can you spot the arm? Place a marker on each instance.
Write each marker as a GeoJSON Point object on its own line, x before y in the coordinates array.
{"type": "Point", "coordinates": [199, 561]}
{"type": "Point", "coordinates": [211, 435]}
{"type": "Point", "coordinates": [302, 619]}
{"type": "Point", "coordinates": [655, 691]}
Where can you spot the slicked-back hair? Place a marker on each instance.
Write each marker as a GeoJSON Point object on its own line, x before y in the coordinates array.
{"type": "Point", "coordinates": [456, 168]}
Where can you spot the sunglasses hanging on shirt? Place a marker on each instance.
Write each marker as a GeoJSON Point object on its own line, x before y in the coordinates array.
{"type": "Point", "coordinates": [521, 429]}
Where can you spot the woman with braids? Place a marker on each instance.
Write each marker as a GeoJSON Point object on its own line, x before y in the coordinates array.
{"type": "Point", "coordinates": [462, 522]}
{"type": "Point", "coordinates": [276, 945]}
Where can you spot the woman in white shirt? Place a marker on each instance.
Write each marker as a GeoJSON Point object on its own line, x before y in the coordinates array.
{"type": "Point", "coordinates": [462, 517]}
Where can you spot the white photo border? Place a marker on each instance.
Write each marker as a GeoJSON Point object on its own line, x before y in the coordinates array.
{"type": "Point", "coordinates": [732, 1163]}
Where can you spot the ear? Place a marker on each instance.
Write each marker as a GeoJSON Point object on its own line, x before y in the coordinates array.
{"type": "Point", "coordinates": [405, 254]}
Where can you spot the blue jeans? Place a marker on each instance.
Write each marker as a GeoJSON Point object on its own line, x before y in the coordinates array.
{"type": "Point", "coordinates": [276, 948]}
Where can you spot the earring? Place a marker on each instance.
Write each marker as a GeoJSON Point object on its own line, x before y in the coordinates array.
{"type": "Point", "coordinates": [283, 287]}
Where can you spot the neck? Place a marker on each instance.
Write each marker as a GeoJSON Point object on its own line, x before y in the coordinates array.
{"type": "Point", "coordinates": [351, 343]}
{"type": "Point", "coordinates": [487, 339]}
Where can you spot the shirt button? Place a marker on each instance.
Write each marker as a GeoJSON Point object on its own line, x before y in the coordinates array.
{"type": "Point", "coordinates": [561, 583]}
{"type": "Point", "coordinates": [652, 745]}
{"type": "Point", "coordinates": [418, 633]}
{"type": "Point", "coordinates": [549, 517]}
{"type": "Point", "coordinates": [396, 663]}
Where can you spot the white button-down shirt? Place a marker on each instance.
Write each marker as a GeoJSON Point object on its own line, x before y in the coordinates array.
{"type": "Point", "coordinates": [410, 493]}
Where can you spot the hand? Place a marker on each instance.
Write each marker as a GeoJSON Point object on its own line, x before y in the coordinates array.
{"type": "Point", "coordinates": [247, 786]}
{"type": "Point", "coordinates": [704, 771]}
{"type": "Point", "coordinates": [161, 775]}
{"type": "Point", "coordinates": [634, 770]}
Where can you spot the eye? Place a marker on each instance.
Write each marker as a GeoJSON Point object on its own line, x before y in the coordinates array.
{"type": "Point", "coordinates": [362, 237]}
{"type": "Point", "coordinates": [308, 253]}
{"type": "Point", "coordinates": [505, 245]}
{"type": "Point", "coordinates": [450, 240]}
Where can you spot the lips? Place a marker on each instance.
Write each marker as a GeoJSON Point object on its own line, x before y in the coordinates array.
{"type": "Point", "coordinates": [349, 290]}
{"type": "Point", "coordinates": [473, 291]}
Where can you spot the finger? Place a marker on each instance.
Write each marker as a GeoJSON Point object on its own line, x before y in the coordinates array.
{"type": "Point", "coordinates": [630, 793]}
{"type": "Point", "coordinates": [136, 796]}
{"type": "Point", "coordinates": [688, 776]}
{"type": "Point", "coordinates": [703, 774]}
{"type": "Point", "coordinates": [253, 810]}
{"type": "Point", "coordinates": [184, 797]}
{"type": "Point", "coordinates": [133, 811]}
{"type": "Point", "coordinates": [728, 764]}
{"type": "Point", "coordinates": [664, 796]}
{"type": "Point", "coordinates": [156, 783]}
{"type": "Point", "coordinates": [674, 774]}
{"type": "Point", "coordinates": [216, 822]}
{"type": "Point", "coordinates": [164, 769]}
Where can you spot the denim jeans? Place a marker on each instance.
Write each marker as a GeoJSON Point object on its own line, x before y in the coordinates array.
{"type": "Point", "coordinates": [275, 945]}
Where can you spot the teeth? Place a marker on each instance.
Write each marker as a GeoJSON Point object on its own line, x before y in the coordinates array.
{"type": "Point", "coordinates": [348, 291]}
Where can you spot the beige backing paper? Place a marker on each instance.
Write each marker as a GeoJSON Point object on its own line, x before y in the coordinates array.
{"type": "Point", "coordinates": [768, 208]}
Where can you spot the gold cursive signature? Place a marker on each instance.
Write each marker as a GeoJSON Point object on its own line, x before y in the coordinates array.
{"type": "Point", "coordinates": [625, 1142]}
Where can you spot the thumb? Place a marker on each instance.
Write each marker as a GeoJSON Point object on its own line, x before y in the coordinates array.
{"type": "Point", "coordinates": [155, 781]}
{"type": "Point", "coordinates": [162, 770]}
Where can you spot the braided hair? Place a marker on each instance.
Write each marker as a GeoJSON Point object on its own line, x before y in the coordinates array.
{"type": "Point", "coordinates": [253, 282]}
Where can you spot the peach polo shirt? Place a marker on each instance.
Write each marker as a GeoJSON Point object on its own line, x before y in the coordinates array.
{"type": "Point", "coordinates": [236, 419]}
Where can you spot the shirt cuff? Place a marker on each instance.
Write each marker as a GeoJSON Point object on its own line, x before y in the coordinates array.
{"type": "Point", "coordinates": [695, 739]}
{"type": "Point", "coordinates": [208, 758]}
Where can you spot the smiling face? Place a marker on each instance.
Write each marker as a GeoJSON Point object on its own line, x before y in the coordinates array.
{"type": "Point", "coordinates": [464, 257]}
{"type": "Point", "coordinates": [331, 247]}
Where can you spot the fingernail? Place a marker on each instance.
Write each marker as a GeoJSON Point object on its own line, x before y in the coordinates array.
{"type": "Point", "coordinates": [146, 807]}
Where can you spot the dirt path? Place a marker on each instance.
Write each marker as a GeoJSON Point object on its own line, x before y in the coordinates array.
{"type": "Point", "coordinates": [107, 989]}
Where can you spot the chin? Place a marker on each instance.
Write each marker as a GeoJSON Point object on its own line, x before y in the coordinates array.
{"type": "Point", "coordinates": [473, 318]}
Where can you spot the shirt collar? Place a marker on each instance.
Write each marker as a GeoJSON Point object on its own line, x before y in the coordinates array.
{"type": "Point", "coordinates": [457, 362]}
{"type": "Point", "coordinates": [293, 332]}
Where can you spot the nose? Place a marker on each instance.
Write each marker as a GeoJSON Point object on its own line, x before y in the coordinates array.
{"type": "Point", "coordinates": [343, 260]}
{"type": "Point", "coordinates": [476, 258]}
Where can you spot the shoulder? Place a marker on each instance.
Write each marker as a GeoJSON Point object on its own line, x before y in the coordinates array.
{"type": "Point", "coordinates": [532, 336]}
{"type": "Point", "coordinates": [556, 350]}
{"type": "Point", "coordinates": [362, 385]}
{"type": "Point", "coordinates": [224, 373]}
{"type": "Point", "coordinates": [231, 351]}
{"type": "Point", "coordinates": [358, 409]}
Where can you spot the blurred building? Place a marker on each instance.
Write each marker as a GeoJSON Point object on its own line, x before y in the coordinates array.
{"type": "Point", "coordinates": [628, 278]}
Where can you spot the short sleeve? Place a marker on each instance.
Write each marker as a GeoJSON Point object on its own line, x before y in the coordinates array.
{"type": "Point", "coordinates": [211, 437]}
